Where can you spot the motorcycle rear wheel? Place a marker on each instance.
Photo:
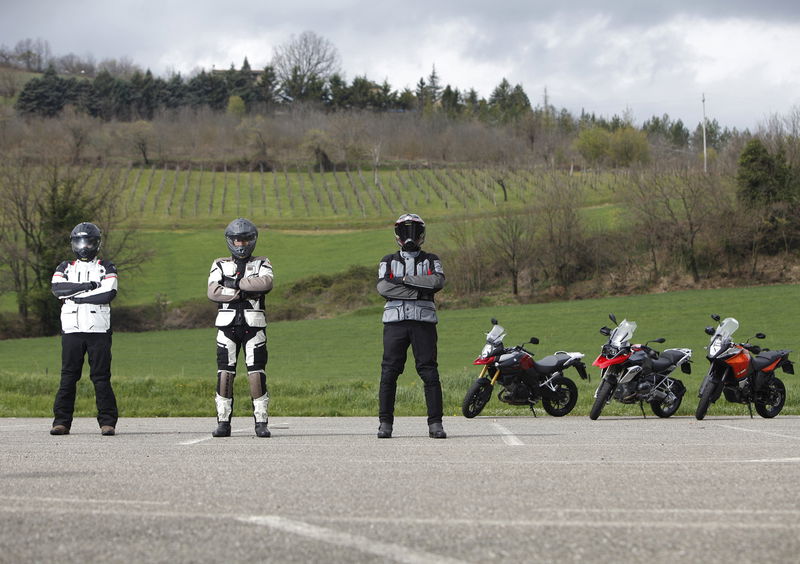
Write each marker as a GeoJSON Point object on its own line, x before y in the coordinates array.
{"type": "Point", "coordinates": [776, 397]}
{"type": "Point", "coordinates": [477, 397]}
{"type": "Point", "coordinates": [604, 392]}
{"type": "Point", "coordinates": [564, 398]}
{"type": "Point", "coordinates": [662, 410]}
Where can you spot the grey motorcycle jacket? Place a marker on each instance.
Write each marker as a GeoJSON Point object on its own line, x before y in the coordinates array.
{"type": "Point", "coordinates": [239, 287]}
{"type": "Point", "coordinates": [408, 281]}
{"type": "Point", "coordinates": [86, 289]}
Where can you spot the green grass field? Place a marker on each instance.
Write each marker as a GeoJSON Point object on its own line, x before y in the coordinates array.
{"type": "Point", "coordinates": [331, 366]}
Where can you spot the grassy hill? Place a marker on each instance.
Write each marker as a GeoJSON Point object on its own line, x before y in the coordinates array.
{"type": "Point", "coordinates": [310, 222]}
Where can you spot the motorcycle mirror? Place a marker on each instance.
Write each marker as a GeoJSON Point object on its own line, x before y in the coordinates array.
{"type": "Point", "coordinates": [709, 330]}
{"type": "Point", "coordinates": [494, 321]}
{"type": "Point", "coordinates": [612, 317]}
{"type": "Point", "coordinates": [605, 331]}
{"type": "Point", "coordinates": [659, 340]}
{"type": "Point", "coordinates": [760, 336]}
{"type": "Point", "coordinates": [715, 317]}
{"type": "Point", "coordinates": [534, 341]}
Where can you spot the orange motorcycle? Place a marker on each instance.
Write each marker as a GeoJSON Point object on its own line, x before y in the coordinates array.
{"type": "Point", "coordinates": [744, 372]}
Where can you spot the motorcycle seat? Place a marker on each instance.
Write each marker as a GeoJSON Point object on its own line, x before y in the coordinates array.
{"type": "Point", "coordinates": [551, 363]}
{"type": "Point", "coordinates": [662, 363]}
{"type": "Point", "coordinates": [666, 359]}
{"type": "Point", "coordinates": [766, 358]}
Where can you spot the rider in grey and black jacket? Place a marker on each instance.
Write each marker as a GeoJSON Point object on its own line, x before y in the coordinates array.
{"type": "Point", "coordinates": [408, 279]}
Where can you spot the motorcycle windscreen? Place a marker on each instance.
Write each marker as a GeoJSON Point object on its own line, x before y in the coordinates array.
{"type": "Point", "coordinates": [496, 335]}
{"type": "Point", "coordinates": [726, 329]}
{"type": "Point", "coordinates": [622, 333]}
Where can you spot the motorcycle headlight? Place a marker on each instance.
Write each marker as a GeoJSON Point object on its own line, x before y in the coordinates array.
{"type": "Point", "coordinates": [486, 350]}
{"type": "Point", "coordinates": [715, 347]}
{"type": "Point", "coordinates": [609, 351]}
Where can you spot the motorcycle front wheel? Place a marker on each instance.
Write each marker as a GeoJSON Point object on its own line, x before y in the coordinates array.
{"type": "Point", "coordinates": [705, 398]}
{"type": "Point", "coordinates": [563, 399]}
{"type": "Point", "coordinates": [477, 397]}
{"type": "Point", "coordinates": [773, 399]}
{"type": "Point", "coordinates": [604, 391]}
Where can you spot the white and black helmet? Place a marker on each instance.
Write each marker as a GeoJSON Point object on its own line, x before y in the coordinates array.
{"type": "Point", "coordinates": [86, 239]}
{"type": "Point", "coordinates": [409, 232]}
{"type": "Point", "coordinates": [244, 230]}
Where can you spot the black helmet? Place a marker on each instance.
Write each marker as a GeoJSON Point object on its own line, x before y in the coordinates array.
{"type": "Point", "coordinates": [85, 239]}
{"type": "Point", "coordinates": [241, 229]}
{"type": "Point", "coordinates": [409, 231]}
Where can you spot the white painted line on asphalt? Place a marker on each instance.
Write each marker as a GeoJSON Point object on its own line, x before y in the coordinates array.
{"type": "Point", "coordinates": [208, 438]}
{"type": "Point", "coordinates": [83, 500]}
{"type": "Point", "coordinates": [758, 431]}
{"type": "Point", "coordinates": [507, 436]}
{"type": "Point", "coordinates": [384, 550]}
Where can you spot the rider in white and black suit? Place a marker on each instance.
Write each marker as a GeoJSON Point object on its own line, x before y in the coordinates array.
{"type": "Point", "coordinates": [238, 284]}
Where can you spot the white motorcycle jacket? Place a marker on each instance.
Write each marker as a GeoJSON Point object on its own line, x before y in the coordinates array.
{"type": "Point", "coordinates": [239, 287]}
{"type": "Point", "coordinates": [408, 281]}
{"type": "Point", "coordinates": [86, 289]}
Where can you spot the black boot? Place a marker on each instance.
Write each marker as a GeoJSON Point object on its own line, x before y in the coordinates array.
{"type": "Point", "coordinates": [223, 429]}
{"type": "Point", "coordinates": [436, 431]}
{"type": "Point", "coordinates": [385, 430]}
{"type": "Point", "coordinates": [262, 431]}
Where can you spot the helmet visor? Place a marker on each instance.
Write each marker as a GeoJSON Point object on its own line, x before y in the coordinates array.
{"type": "Point", "coordinates": [81, 243]}
{"type": "Point", "coordinates": [242, 245]}
{"type": "Point", "coordinates": [409, 230]}
{"type": "Point", "coordinates": [85, 248]}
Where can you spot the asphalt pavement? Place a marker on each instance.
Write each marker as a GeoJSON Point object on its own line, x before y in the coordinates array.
{"type": "Point", "coordinates": [505, 489]}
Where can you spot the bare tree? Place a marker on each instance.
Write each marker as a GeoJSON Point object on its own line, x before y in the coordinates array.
{"type": "Point", "coordinates": [679, 205]}
{"type": "Point", "coordinates": [32, 54]}
{"type": "Point", "coordinates": [561, 251]}
{"type": "Point", "coordinates": [308, 58]}
{"type": "Point", "coordinates": [511, 241]}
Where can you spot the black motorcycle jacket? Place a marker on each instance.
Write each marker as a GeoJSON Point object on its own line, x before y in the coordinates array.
{"type": "Point", "coordinates": [408, 282]}
{"type": "Point", "coordinates": [239, 287]}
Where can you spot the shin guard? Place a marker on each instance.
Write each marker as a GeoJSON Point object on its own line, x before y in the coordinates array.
{"type": "Point", "coordinates": [224, 408]}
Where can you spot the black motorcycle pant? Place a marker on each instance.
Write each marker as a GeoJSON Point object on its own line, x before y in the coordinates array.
{"type": "Point", "coordinates": [74, 346]}
{"type": "Point", "coordinates": [422, 338]}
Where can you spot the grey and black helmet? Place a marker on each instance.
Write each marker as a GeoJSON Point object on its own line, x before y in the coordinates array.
{"type": "Point", "coordinates": [242, 230]}
{"type": "Point", "coordinates": [409, 232]}
{"type": "Point", "coordinates": [86, 239]}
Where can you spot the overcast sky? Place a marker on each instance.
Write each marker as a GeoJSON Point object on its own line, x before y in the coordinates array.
{"type": "Point", "coordinates": [605, 57]}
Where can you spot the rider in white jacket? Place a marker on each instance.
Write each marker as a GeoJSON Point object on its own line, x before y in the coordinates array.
{"type": "Point", "coordinates": [86, 286]}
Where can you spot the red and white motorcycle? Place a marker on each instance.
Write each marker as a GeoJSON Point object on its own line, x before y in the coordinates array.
{"type": "Point", "coordinates": [635, 373]}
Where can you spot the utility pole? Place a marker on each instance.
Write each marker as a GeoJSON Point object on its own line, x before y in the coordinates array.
{"type": "Point", "coordinates": [705, 153]}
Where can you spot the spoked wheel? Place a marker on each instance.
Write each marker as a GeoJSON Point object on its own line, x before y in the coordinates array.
{"type": "Point", "coordinates": [477, 397]}
{"type": "Point", "coordinates": [604, 391]}
{"type": "Point", "coordinates": [771, 400]}
{"type": "Point", "coordinates": [563, 399]}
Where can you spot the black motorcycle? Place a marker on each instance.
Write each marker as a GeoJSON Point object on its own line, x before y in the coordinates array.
{"type": "Point", "coordinates": [523, 380]}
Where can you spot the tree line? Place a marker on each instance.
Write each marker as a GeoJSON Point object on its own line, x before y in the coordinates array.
{"type": "Point", "coordinates": [305, 71]}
